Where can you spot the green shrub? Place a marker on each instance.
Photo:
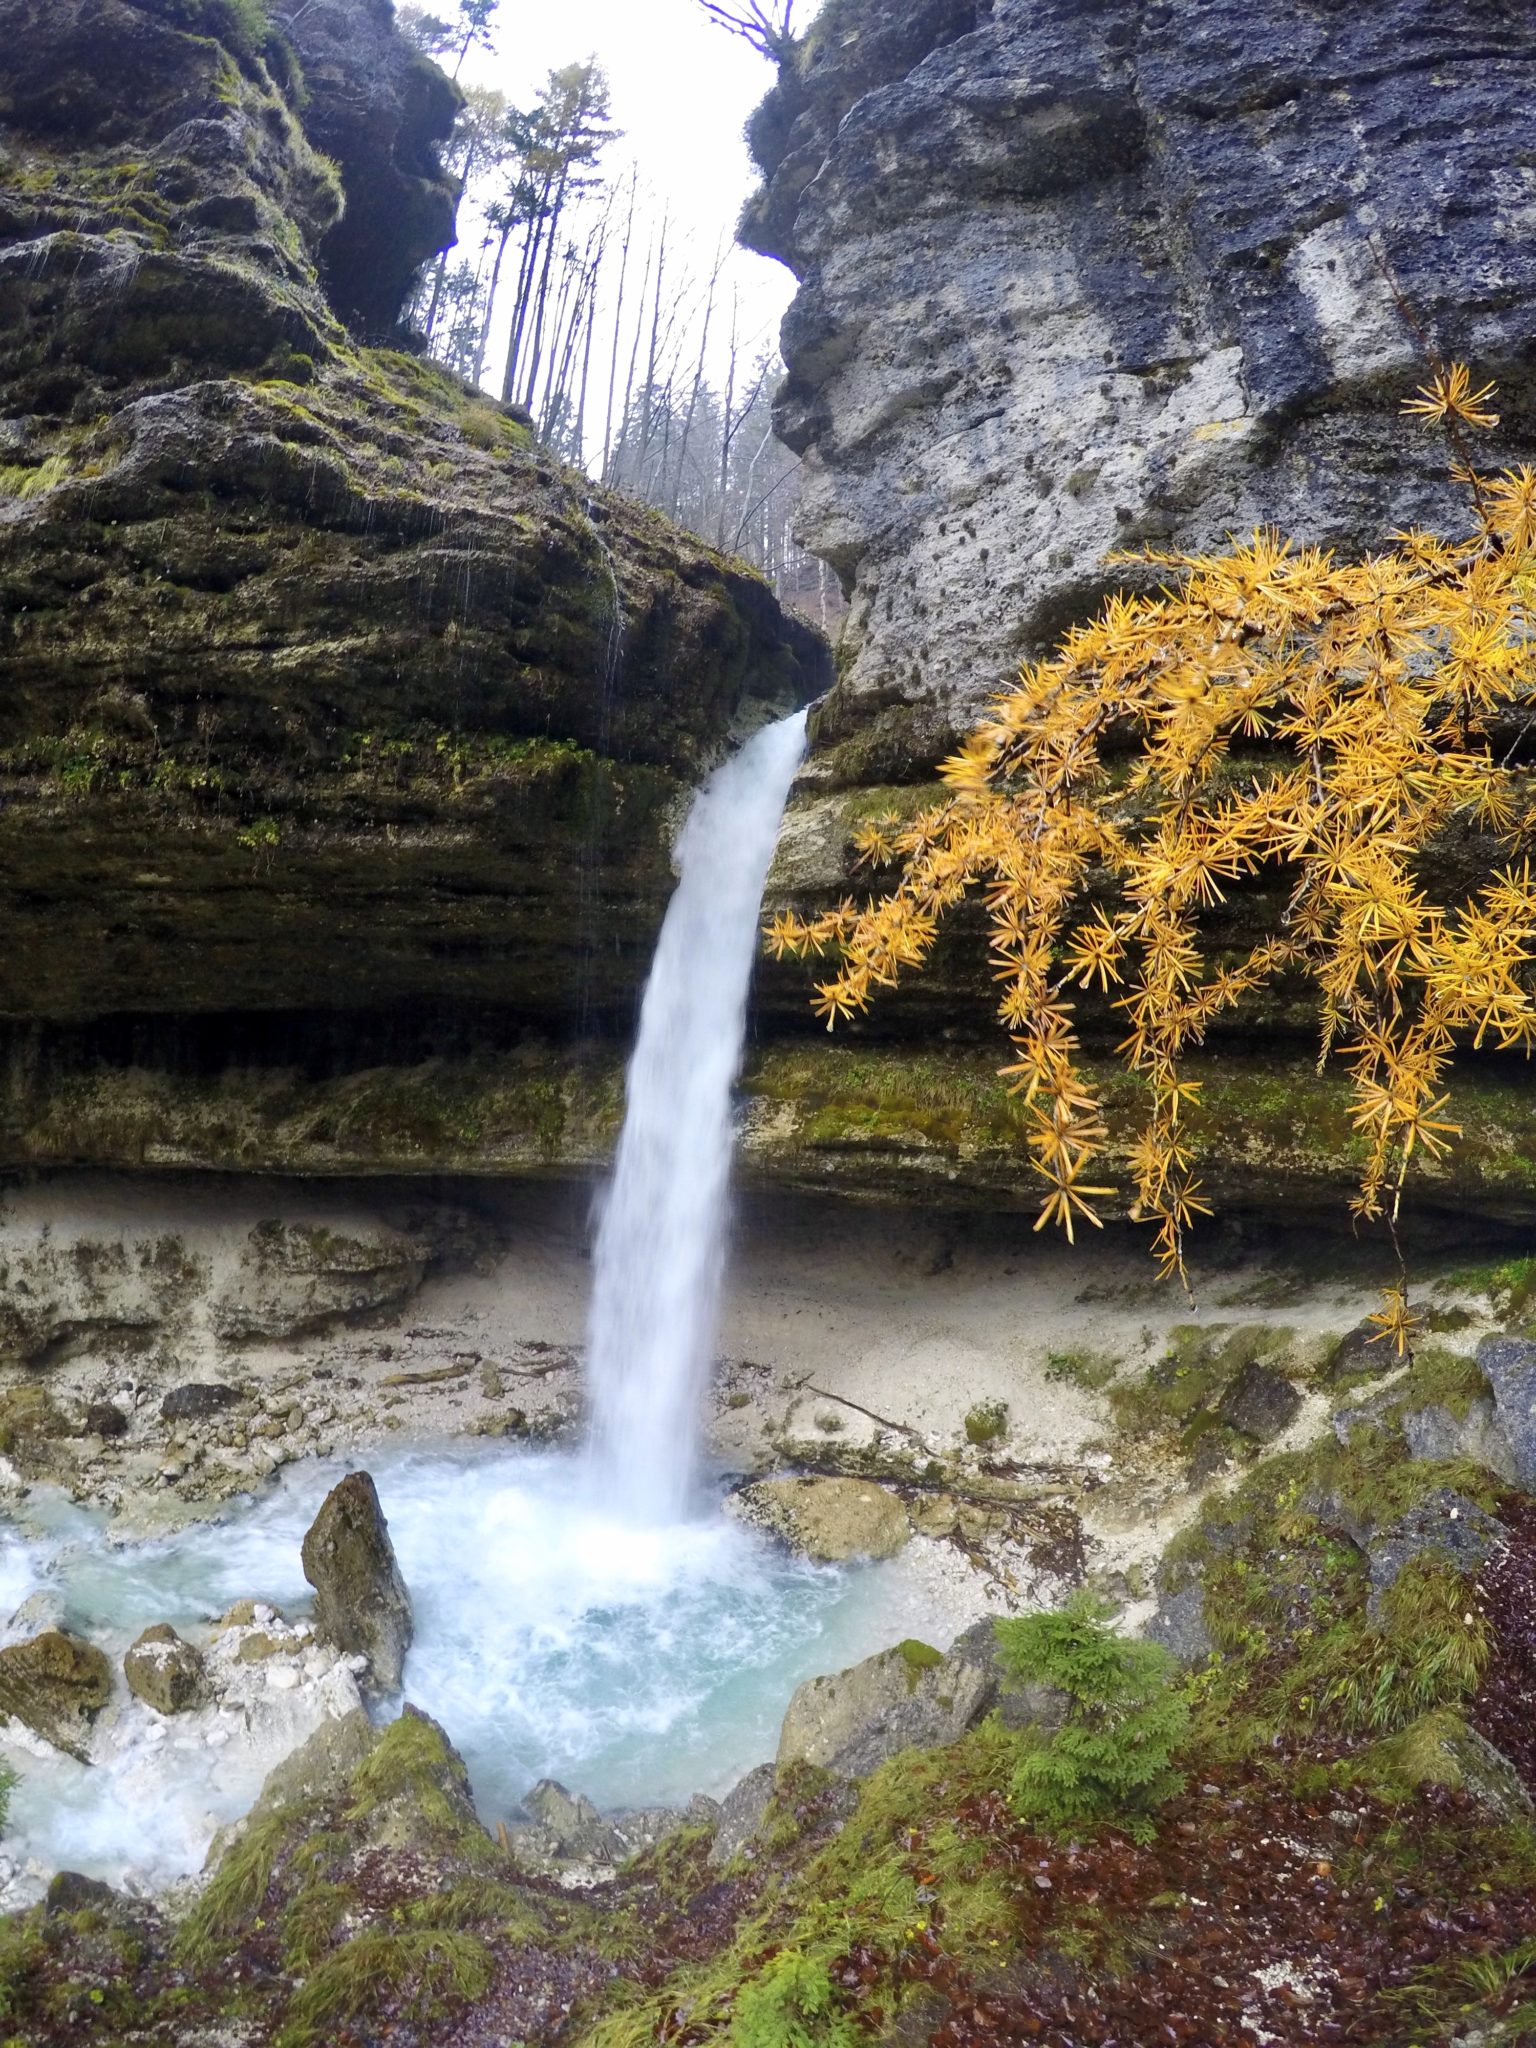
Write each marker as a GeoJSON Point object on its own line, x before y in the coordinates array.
{"type": "Point", "coordinates": [791, 2003]}
{"type": "Point", "coordinates": [1109, 1763]}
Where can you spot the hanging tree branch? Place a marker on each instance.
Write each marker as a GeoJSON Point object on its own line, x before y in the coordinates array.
{"type": "Point", "coordinates": [768, 25]}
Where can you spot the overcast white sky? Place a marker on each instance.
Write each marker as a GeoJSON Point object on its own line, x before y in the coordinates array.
{"type": "Point", "coordinates": [682, 91]}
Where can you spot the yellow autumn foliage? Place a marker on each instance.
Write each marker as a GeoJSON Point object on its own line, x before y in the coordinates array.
{"type": "Point", "coordinates": [1283, 711]}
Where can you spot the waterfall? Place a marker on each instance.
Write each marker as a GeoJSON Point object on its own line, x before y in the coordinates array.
{"type": "Point", "coordinates": [661, 1244]}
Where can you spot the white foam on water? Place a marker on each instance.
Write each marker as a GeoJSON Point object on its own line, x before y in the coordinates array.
{"type": "Point", "coordinates": [553, 1638]}
{"type": "Point", "coordinates": [592, 1619]}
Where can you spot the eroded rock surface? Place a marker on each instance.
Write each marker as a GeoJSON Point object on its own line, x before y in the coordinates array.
{"type": "Point", "coordinates": [332, 704]}
{"type": "Point", "coordinates": [1080, 276]}
{"type": "Point", "coordinates": [827, 1519]}
{"type": "Point", "coordinates": [56, 1684]}
{"type": "Point", "coordinates": [1077, 277]}
{"type": "Point", "coordinates": [361, 1604]}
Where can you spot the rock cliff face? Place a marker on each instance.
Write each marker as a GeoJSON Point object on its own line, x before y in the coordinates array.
{"type": "Point", "coordinates": [339, 725]}
{"type": "Point", "coordinates": [1082, 274]}
{"type": "Point", "coordinates": [1078, 275]}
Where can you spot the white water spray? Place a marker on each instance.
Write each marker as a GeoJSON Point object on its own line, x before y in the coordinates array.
{"type": "Point", "coordinates": [661, 1246]}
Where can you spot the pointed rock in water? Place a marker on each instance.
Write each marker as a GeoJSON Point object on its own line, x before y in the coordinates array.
{"type": "Point", "coordinates": [826, 1519]}
{"type": "Point", "coordinates": [361, 1604]}
{"type": "Point", "coordinates": [166, 1672]}
{"type": "Point", "coordinates": [56, 1684]}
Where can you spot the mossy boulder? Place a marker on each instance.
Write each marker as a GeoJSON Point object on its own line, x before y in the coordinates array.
{"type": "Point", "coordinates": [911, 1696]}
{"type": "Point", "coordinates": [343, 727]}
{"type": "Point", "coordinates": [56, 1684]}
{"type": "Point", "coordinates": [827, 1519]}
{"type": "Point", "coordinates": [165, 1671]}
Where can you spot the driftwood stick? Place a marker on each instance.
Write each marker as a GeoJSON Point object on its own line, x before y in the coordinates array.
{"type": "Point", "coordinates": [885, 1422]}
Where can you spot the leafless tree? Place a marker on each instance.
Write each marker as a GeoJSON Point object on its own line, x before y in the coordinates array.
{"type": "Point", "coordinates": [768, 25]}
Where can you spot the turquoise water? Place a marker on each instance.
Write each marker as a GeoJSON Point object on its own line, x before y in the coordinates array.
{"type": "Point", "coordinates": [552, 1639]}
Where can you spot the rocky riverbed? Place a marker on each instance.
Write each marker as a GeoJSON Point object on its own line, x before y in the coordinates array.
{"type": "Point", "coordinates": [998, 1418]}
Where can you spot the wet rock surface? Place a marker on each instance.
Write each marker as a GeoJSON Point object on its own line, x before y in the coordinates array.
{"type": "Point", "coordinates": [909, 1697]}
{"type": "Point", "coordinates": [1510, 1363]}
{"type": "Point", "coordinates": [195, 1402]}
{"type": "Point", "coordinates": [1260, 1403]}
{"type": "Point", "coordinates": [742, 1812]}
{"type": "Point", "coordinates": [826, 1519]}
{"type": "Point", "coordinates": [166, 1672]}
{"type": "Point", "coordinates": [1443, 1525]}
{"type": "Point", "coordinates": [55, 1684]}
{"type": "Point", "coordinates": [436, 671]}
{"type": "Point", "coordinates": [361, 1603]}
{"type": "Point", "coordinates": [568, 1839]}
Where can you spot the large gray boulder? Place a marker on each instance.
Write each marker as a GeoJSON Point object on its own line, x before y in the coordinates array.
{"type": "Point", "coordinates": [907, 1697]}
{"type": "Point", "coordinates": [361, 1604]}
{"type": "Point", "coordinates": [1436, 1431]}
{"type": "Point", "coordinates": [1510, 1363]}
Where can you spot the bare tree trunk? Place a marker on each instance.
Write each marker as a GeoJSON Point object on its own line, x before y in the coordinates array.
{"type": "Point", "coordinates": [634, 355]}
{"type": "Point", "coordinates": [618, 322]}
{"type": "Point", "coordinates": [698, 383]}
{"type": "Point", "coordinates": [532, 243]}
{"type": "Point", "coordinates": [727, 431]}
{"type": "Point", "coordinates": [490, 298]}
{"type": "Point", "coordinates": [652, 359]}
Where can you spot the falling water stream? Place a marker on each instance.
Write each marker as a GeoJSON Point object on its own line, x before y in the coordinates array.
{"type": "Point", "coordinates": [591, 1616]}
{"type": "Point", "coordinates": [661, 1245]}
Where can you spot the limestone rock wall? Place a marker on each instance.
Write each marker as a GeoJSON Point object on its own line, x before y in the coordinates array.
{"type": "Point", "coordinates": [1078, 275]}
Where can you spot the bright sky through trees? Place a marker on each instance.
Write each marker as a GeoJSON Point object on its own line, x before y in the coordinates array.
{"type": "Point", "coordinates": [682, 90]}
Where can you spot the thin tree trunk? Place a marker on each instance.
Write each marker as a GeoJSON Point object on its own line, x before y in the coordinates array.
{"type": "Point", "coordinates": [634, 353]}
{"type": "Point", "coordinates": [698, 384]}
{"type": "Point", "coordinates": [618, 323]}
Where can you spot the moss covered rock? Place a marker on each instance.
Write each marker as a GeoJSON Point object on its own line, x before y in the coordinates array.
{"type": "Point", "coordinates": [336, 713]}
{"type": "Point", "coordinates": [827, 1519]}
{"type": "Point", "coordinates": [55, 1684]}
{"type": "Point", "coordinates": [165, 1671]}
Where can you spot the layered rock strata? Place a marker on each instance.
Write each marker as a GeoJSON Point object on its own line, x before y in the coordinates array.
{"type": "Point", "coordinates": [341, 727]}
{"type": "Point", "coordinates": [1079, 275]}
